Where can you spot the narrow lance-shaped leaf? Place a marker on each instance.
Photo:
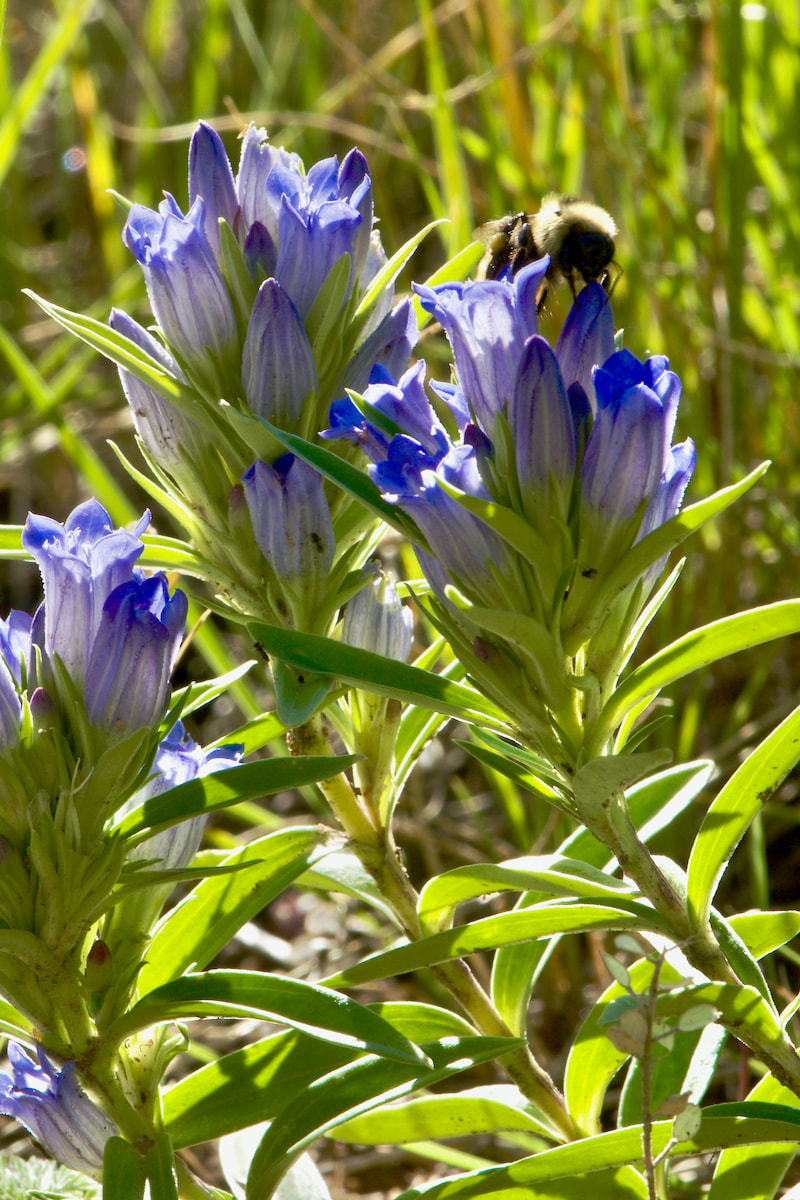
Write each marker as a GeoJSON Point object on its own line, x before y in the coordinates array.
{"type": "Point", "coordinates": [694, 650]}
{"type": "Point", "coordinates": [385, 676]}
{"type": "Point", "coordinates": [353, 1090]}
{"type": "Point", "coordinates": [487, 934]}
{"type": "Point", "coordinates": [220, 790]}
{"type": "Point", "coordinates": [309, 1007]}
{"type": "Point", "coordinates": [546, 873]}
{"type": "Point", "coordinates": [618, 1148]}
{"type": "Point", "coordinates": [205, 920]}
{"type": "Point", "coordinates": [124, 1171]}
{"type": "Point", "coordinates": [732, 811]}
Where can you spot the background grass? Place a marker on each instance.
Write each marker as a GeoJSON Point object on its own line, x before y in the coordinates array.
{"type": "Point", "coordinates": [680, 118]}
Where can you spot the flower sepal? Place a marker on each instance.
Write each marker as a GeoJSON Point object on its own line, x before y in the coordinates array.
{"type": "Point", "coordinates": [117, 771]}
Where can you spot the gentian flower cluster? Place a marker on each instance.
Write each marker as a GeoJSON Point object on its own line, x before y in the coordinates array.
{"type": "Point", "coordinates": [260, 294]}
{"type": "Point", "coordinates": [86, 680]}
{"type": "Point", "coordinates": [84, 687]}
{"type": "Point", "coordinates": [553, 465]}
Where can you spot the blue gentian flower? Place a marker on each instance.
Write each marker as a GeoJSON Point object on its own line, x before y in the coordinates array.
{"type": "Point", "coordinates": [278, 367]}
{"type": "Point", "coordinates": [487, 325]}
{"type": "Point", "coordinates": [632, 478]}
{"type": "Point", "coordinates": [167, 433]}
{"type": "Point", "coordinates": [292, 525]}
{"type": "Point", "coordinates": [562, 461]}
{"type": "Point", "coordinates": [187, 290]}
{"type": "Point", "coordinates": [56, 1111]}
{"type": "Point", "coordinates": [115, 631]}
{"type": "Point", "coordinates": [291, 228]}
{"type": "Point", "coordinates": [81, 563]}
{"type": "Point", "coordinates": [127, 678]}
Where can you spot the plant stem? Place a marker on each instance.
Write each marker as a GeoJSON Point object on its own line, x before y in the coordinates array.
{"type": "Point", "coordinates": [376, 850]}
{"type": "Point", "coordinates": [614, 828]}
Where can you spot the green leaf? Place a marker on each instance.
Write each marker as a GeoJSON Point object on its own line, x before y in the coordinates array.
{"type": "Point", "coordinates": [763, 932]}
{"type": "Point", "coordinates": [515, 971]}
{"type": "Point", "coordinates": [197, 695]}
{"type": "Point", "coordinates": [502, 930]}
{"type": "Point", "coordinates": [694, 650]}
{"type": "Point", "coordinates": [118, 348]}
{"type": "Point", "coordinates": [251, 1084]}
{"type": "Point", "coordinates": [621, 1183]}
{"type": "Point", "coordinates": [653, 805]}
{"type": "Point", "coordinates": [124, 1172]}
{"type": "Point", "coordinates": [390, 270]}
{"type": "Point", "coordinates": [246, 1086]}
{"type": "Point", "coordinates": [297, 696]}
{"type": "Point", "coordinates": [602, 778]}
{"type": "Point", "coordinates": [223, 788]}
{"type": "Point", "coordinates": [506, 763]}
{"type": "Point", "coordinates": [734, 808]}
{"type": "Point", "coordinates": [548, 873]}
{"type": "Point", "coordinates": [617, 1148]}
{"type": "Point", "coordinates": [475, 1110]}
{"type": "Point", "coordinates": [422, 1022]}
{"type": "Point", "coordinates": [755, 1172]}
{"type": "Point", "coordinates": [160, 1166]}
{"type": "Point", "coordinates": [309, 1007]}
{"type": "Point", "coordinates": [351, 1091]}
{"type": "Point", "coordinates": [383, 676]}
{"type": "Point", "coordinates": [195, 930]}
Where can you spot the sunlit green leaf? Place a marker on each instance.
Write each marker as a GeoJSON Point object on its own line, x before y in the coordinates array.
{"type": "Point", "coordinates": [549, 873]}
{"type": "Point", "coordinates": [694, 650]}
{"type": "Point", "coordinates": [475, 1110]}
{"type": "Point", "coordinates": [124, 1171]}
{"type": "Point", "coordinates": [223, 788]}
{"type": "Point", "coordinates": [491, 932]}
{"type": "Point", "coordinates": [384, 676]}
{"type": "Point", "coordinates": [617, 1148]}
{"type": "Point", "coordinates": [351, 1091]}
{"type": "Point", "coordinates": [308, 1007]}
{"type": "Point", "coordinates": [729, 816]}
{"type": "Point", "coordinates": [195, 930]}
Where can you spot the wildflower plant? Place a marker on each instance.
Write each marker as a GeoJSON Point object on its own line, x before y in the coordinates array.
{"type": "Point", "coordinates": [543, 491]}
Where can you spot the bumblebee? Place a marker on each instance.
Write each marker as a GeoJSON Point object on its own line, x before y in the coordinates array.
{"type": "Point", "coordinates": [579, 238]}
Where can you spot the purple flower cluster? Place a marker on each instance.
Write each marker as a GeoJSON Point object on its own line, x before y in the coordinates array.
{"type": "Point", "coordinates": [255, 290]}
{"type": "Point", "coordinates": [577, 440]}
{"type": "Point", "coordinates": [246, 337]}
{"type": "Point", "coordinates": [112, 630]}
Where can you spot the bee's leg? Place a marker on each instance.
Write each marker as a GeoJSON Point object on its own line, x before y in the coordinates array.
{"type": "Point", "coordinates": [541, 296]}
